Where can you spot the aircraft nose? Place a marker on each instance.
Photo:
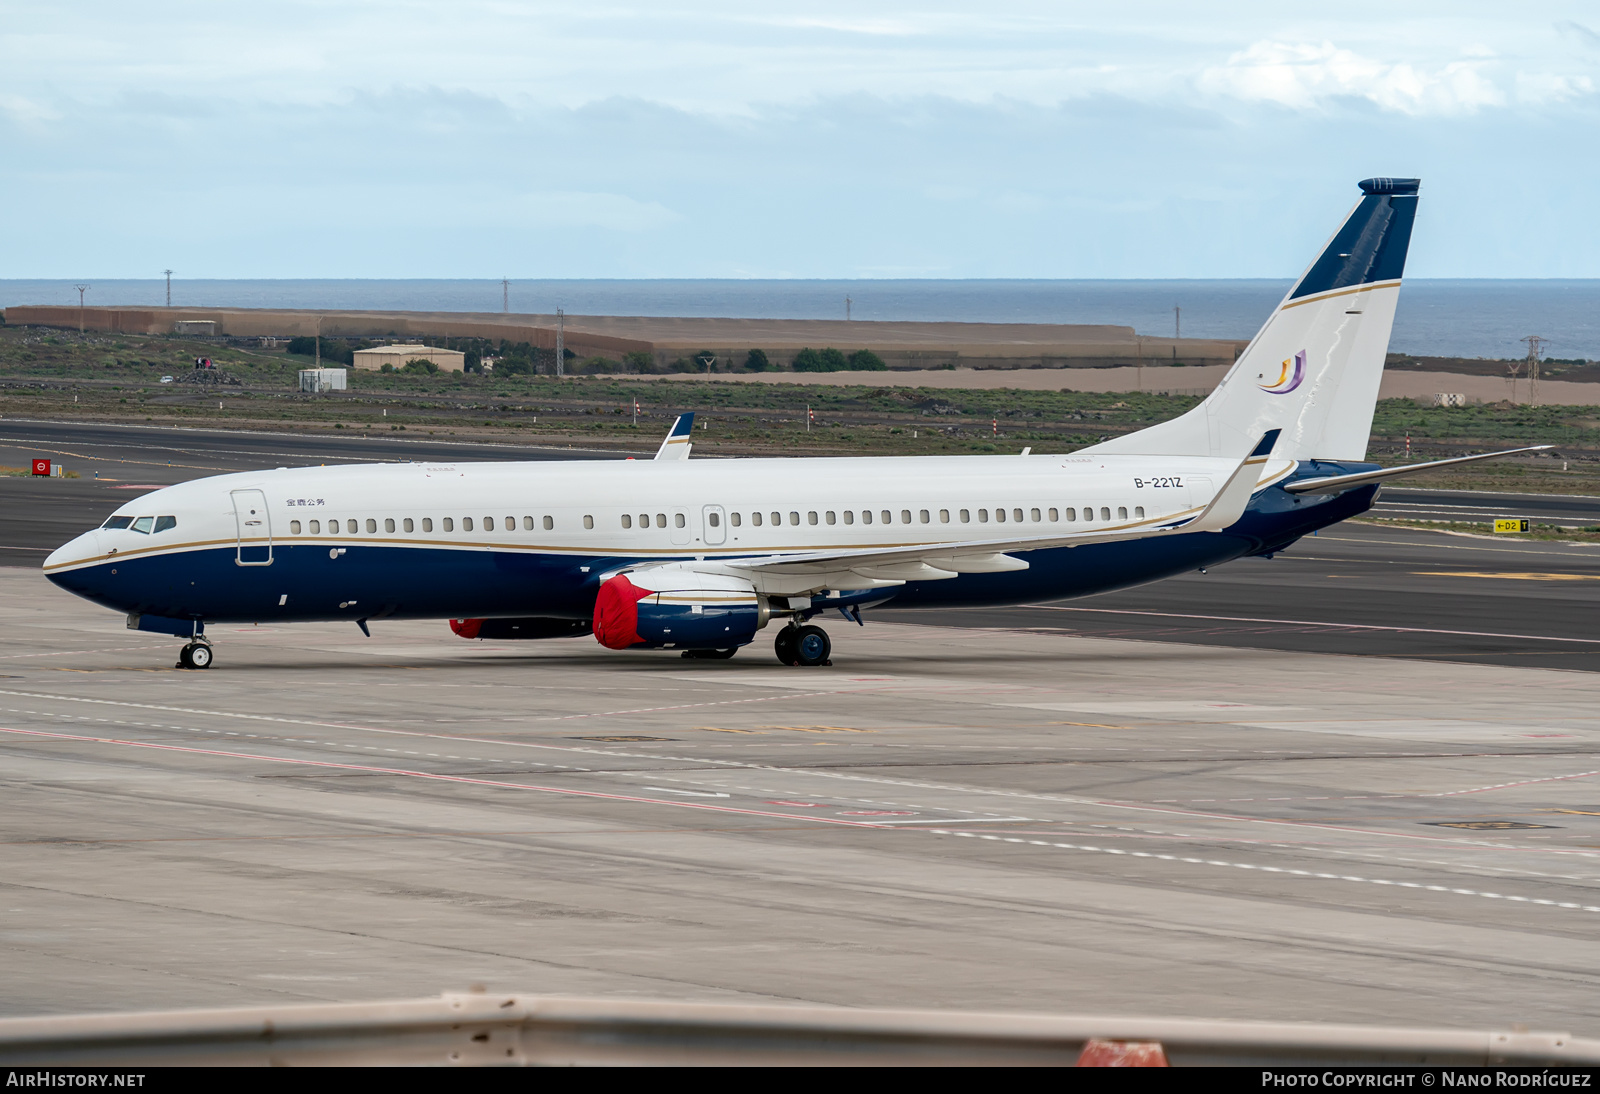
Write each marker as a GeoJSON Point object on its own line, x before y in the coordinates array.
{"type": "Point", "coordinates": [83, 547]}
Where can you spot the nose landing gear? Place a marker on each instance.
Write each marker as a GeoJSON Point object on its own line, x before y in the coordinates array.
{"type": "Point", "coordinates": [806, 646]}
{"type": "Point", "coordinates": [196, 655]}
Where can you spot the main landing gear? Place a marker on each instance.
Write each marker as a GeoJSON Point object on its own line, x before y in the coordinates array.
{"type": "Point", "coordinates": [196, 655]}
{"type": "Point", "coordinates": [806, 646]}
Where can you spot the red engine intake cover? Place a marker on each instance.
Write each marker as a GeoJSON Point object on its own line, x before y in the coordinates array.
{"type": "Point", "coordinates": [466, 628]}
{"type": "Point", "coordinates": [616, 613]}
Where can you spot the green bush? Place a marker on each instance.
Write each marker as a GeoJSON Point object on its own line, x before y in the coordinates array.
{"type": "Point", "coordinates": [756, 361]}
{"type": "Point", "coordinates": [808, 360]}
{"type": "Point", "coordinates": [705, 359]}
{"type": "Point", "coordinates": [833, 360]}
{"type": "Point", "coordinates": [420, 364]}
{"type": "Point", "coordinates": [683, 364]}
{"type": "Point", "coordinates": [639, 360]}
{"type": "Point", "coordinates": [864, 360]}
{"type": "Point", "coordinates": [515, 366]}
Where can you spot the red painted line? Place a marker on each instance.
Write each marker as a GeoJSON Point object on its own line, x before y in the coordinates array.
{"type": "Point", "coordinates": [432, 776]}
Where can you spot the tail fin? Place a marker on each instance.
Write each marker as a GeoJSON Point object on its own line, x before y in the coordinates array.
{"type": "Point", "coordinates": [1313, 370]}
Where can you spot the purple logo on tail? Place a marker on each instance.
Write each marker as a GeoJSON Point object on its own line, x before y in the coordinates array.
{"type": "Point", "coordinates": [1293, 372]}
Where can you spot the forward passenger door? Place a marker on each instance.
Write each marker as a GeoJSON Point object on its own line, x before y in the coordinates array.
{"type": "Point", "coordinates": [254, 526]}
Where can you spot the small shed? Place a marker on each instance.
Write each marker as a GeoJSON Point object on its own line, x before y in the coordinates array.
{"type": "Point", "coordinates": [206, 327]}
{"type": "Point", "coordinates": [318, 380]}
{"type": "Point", "coordinates": [448, 360]}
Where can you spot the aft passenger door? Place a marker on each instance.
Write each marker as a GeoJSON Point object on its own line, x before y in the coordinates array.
{"type": "Point", "coordinates": [716, 525]}
{"type": "Point", "coordinates": [254, 527]}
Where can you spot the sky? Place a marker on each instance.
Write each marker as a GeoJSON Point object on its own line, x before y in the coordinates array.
{"type": "Point", "coordinates": [773, 140]}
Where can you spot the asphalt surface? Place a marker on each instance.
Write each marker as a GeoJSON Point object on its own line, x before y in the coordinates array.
{"type": "Point", "coordinates": [1353, 589]}
{"type": "Point", "coordinates": [1013, 821]}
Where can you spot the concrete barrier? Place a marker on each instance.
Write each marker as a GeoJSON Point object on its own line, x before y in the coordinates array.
{"type": "Point", "coordinates": [494, 1029]}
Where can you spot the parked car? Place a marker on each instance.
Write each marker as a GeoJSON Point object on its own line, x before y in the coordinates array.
{"type": "Point", "coordinates": [166, 379]}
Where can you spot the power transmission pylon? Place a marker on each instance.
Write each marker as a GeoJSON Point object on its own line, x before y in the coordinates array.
{"type": "Point", "coordinates": [169, 287]}
{"type": "Point", "coordinates": [505, 294]}
{"type": "Point", "coordinates": [1535, 345]}
{"type": "Point", "coordinates": [81, 290]}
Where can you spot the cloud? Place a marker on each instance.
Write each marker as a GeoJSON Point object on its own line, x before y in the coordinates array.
{"type": "Point", "coordinates": [1582, 33]}
{"type": "Point", "coordinates": [1303, 76]}
{"type": "Point", "coordinates": [25, 111]}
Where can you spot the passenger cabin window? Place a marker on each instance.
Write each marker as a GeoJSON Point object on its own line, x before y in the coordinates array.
{"type": "Point", "coordinates": [983, 516]}
{"type": "Point", "coordinates": [1138, 511]}
{"type": "Point", "coordinates": [627, 521]}
{"type": "Point", "coordinates": [1055, 515]}
{"type": "Point", "coordinates": [351, 526]}
{"type": "Point", "coordinates": [427, 524]}
{"type": "Point", "coordinates": [905, 516]}
{"type": "Point", "coordinates": [143, 524]}
{"type": "Point", "coordinates": [510, 524]}
{"type": "Point", "coordinates": [888, 517]}
{"type": "Point", "coordinates": [661, 520]}
{"type": "Point", "coordinates": [163, 523]}
{"type": "Point", "coordinates": [527, 524]}
{"type": "Point", "coordinates": [448, 524]}
{"type": "Point", "coordinates": [1088, 512]}
{"type": "Point", "coordinates": [755, 518]}
{"type": "Point", "coordinates": [849, 516]}
{"type": "Point", "coordinates": [294, 527]}
{"type": "Point", "coordinates": [777, 518]}
{"type": "Point", "coordinates": [588, 521]}
{"type": "Point", "coordinates": [830, 517]}
{"type": "Point", "coordinates": [1072, 514]}
{"type": "Point", "coordinates": [811, 518]}
{"type": "Point", "coordinates": [1000, 515]}
{"type": "Point", "coordinates": [117, 522]}
{"type": "Point", "coordinates": [466, 524]}
{"type": "Point", "coordinates": [410, 526]}
{"type": "Point", "coordinates": [1036, 515]}
{"type": "Point", "coordinates": [316, 527]}
{"type": "Point", "coordinates": [677, 520]}
{"type": "Point", "coordinates": [1122, 512]}
{"type": "Point", "coordinates": [735, 519]}
{"type": "Point", "coordinates": [866, 516]}
{"type": "Point", "coordinates": [1105, 512]}
{"type": "Point", "coordinates": [388, 524]}
{"type": "Point", "coordinates": [713, 520]}
{"type": "Point", "coordinates": [1016, 515]}
{"type": "Point", "coordinates": [549, 523]}
{"type": "Point", "coordinates": [966, 516]}
{"type": "Point", "coordinates": [488, 524]}
{"type": "Point", "coordinates": [372, 524]}
{"type": "Point", "coordinates": [944, 516]}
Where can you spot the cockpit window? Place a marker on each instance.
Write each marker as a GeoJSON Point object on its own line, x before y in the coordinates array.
{"type": "Point", "coordinates": [143, 524]}
{"type": "Point", "coordinates": [117, 522]}
{"type": "Point", "coordinates": [163, 523]}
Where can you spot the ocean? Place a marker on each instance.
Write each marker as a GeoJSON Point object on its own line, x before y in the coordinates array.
{"type": "Point", "coordinates": [1439, 318]}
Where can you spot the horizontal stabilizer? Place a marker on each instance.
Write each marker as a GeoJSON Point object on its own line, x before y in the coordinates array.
{"type": "Point", "coordinates": [1337, 484]}
{"type": "Point", "coordinates": [678, 441]}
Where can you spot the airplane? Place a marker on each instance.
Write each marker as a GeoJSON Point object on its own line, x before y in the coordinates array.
{"type": "Point", "coordinates": [701, 555]}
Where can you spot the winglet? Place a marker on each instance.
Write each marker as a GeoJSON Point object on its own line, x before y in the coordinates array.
{"type": "Point", "coordinates": [1234, 497]}
{"type": "Point", "coordinates": [677, 444]}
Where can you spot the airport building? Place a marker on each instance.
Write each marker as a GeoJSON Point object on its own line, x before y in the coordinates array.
{"type": "Point", "coordinates": [448, 360]}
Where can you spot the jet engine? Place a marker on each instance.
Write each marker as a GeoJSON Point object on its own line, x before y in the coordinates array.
{"type": "Point", "coordinates": [670, 606]}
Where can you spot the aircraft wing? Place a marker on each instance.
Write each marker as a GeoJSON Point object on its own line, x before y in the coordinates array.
{"type": "Point", "coordinates": [933, 561]}
{"type": "Point", "coordinates": [1338, 484]}
{"type": "Point", "coordinates": [679, 439]}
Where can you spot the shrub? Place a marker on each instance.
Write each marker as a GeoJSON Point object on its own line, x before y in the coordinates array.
{"type": "Point", "coordinates": [756, 361]}
{"type": "Point", "coordinates": [705, 359]}
{"type": "Point", "coordinates": [420, 364]}
{"type": "Point", "coordinates": [833, 360]}
{"type": "Point", "coordinates": [597, 364]}
{"type": "Point", "coordinates": [683, 364]}
{"type": "Point", "coordinates": [387, 368]}
{"type": "Point", "coordinates": [808, 360]}
{"type": "Point", "coordinates": [515, 366]}
{"type": "Point", "coordinates": [639, 360]}
{"type": "Point", "coordinates": [864, 360]}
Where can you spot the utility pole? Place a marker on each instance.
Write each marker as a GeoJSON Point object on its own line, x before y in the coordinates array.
{"type": "Point", "coordinates": [505, 295]}
{"type": "Point", "coordinates": [1177, 324]}
{"type": "Point", "coordinates": [169, 287]}
{"type": "Point", "coordinates": [1536, 344]}
{"type": "Point", "coordinates": [561, 342]}
{"type": "Point", "coordinates": [319, 341]}
{"type": "Point", "coordinates": [847, 303]}
{"type": "Point", "coordinates": [81, 290]}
